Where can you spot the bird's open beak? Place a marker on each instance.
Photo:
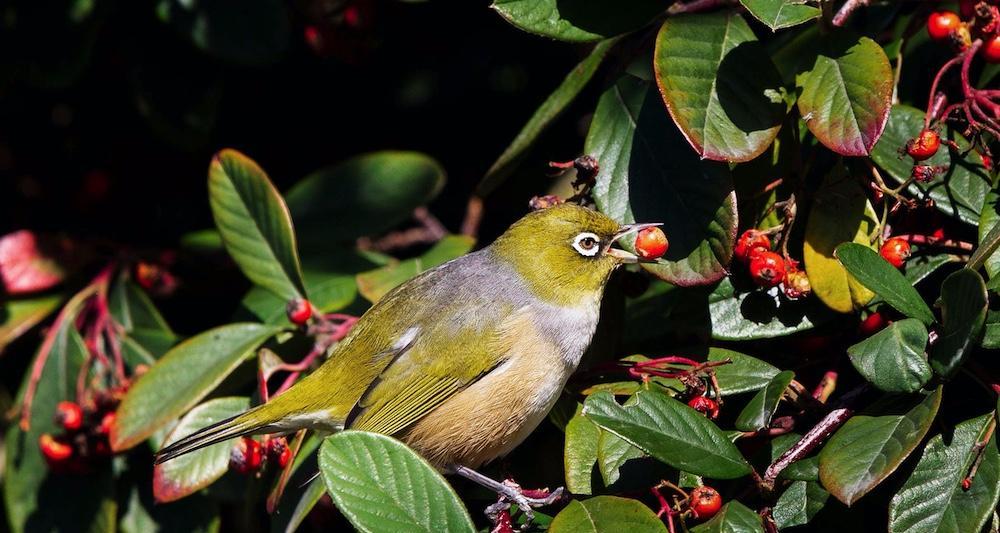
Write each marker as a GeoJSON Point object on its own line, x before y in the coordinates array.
{"type": "Point", "coordinates": [622, 255]}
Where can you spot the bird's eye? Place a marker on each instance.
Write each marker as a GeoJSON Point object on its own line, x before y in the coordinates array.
{"type": "Point", "coordinates": [587, 244]}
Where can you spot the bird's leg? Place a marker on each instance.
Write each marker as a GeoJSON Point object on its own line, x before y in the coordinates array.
{"type": "Point", "coordinates": [510, 493]}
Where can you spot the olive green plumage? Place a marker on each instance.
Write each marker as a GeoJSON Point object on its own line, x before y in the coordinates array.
{"type": "Point", "coordinates": [496, 332]}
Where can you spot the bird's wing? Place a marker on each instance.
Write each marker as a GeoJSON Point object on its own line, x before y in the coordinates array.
{"type": "Point", "coordinates": [442, 362]}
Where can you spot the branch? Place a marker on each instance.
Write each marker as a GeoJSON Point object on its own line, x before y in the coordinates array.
{"type": "Point", "coordinates": [846, 11]}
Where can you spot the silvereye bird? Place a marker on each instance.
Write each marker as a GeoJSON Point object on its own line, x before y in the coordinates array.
{"type": "Point", "coordinates": [463, 361]}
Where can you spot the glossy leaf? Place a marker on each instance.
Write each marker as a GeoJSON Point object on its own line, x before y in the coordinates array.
{"type": "Point", "coordinates": [755, 314]}
{"type": "Point", "coordinates": [743, 374]}
{"type": "Point", "coordinates": [799, 504]}
{"type": "Point", "coordinates": [576, 20]}
{"type": "Point", "coordinates": [959, 191]}
{"type": "Point", "coordinates": [19, 316]}
{"type": "Point", "coordinates": [580, 454]}
{"type": "Point", "coordinates": [893, 359]}
{"type": "Point", "coordinates": [612, 454]}
{"type": "Point", "coordinates": [381, 485]}
{"type": "Point", "coordinates": [375, 284]}
{"type": "Point", "coordinates": [878, 275]}
{"type": "Point", "coordinates": [841, 213]}
{"type": "Point", "coordinates": [963, 312]}
{"type": "Point", "coordinates": [867, 449]}
{"type": "Point", "coordinates": [255, 224]}
{"type": "Point", "coordinates": [648, 173]}
{"type": "Point", "coordinates": [132, 308]}
{"type": "Point", "coordinates": [932, 499]}
{"type": "Point", "coordinates": [759, 410]}
{"type": "Point", "coordinates": [846, 94]}
{"type": "Point", "coordinates": [734, 517]}
{"type": "Point", "coordinates": [606, 513]}
{"type": "Point", "coordinates": [669, 431]}
{"type": "Point", "coordinates": [551, 108]}
{"type": "Point", "coordinates": [327, 293]}
{"type": "Point", "coordinates": [366, 195]}
{"type": "Point", "coordinates": [190, 473]}
{"type": "Point", "coordinates": [989, 236]}
{"type": "Point", "coordinates": [716, 79]}
{"type": "Point", "coordinates": [185, 375]}
{"type": "Point", "coordinates": [778, 14]}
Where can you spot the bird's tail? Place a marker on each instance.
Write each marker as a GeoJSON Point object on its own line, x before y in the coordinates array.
{"type": "Point", "coordinates": [255, 420]}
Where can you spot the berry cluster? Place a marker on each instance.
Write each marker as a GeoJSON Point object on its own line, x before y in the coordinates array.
{"type": "Point", "coordinates": [768, 268]}
{"type": "Point", "coordinates": [249, 457]}
{"type": "Point", "coordinates": [84, 438]}
{"type": "Point", "coordinates": [981, 20]}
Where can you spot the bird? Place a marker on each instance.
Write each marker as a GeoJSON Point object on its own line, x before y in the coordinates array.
{"type": "Point", "coordinates": [463, 361]}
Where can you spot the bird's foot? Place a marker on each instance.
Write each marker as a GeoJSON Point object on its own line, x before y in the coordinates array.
{"type": "Point", "coordinates": [525, 499]}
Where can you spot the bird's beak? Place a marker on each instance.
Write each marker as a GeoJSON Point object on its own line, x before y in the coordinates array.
{"type": "Point", "coordinates": [622, 255]}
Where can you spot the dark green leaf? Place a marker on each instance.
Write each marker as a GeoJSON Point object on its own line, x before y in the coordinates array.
{"type": "Point", "coordinates": [959, 191]}
{"type": "Point", "coordinates": [989, 237]}
{"type": "Point", "coordinates": [867, 449]}
{"type": "Point", "coordinates": [893, 359]}
{"type": "Point", "coordinates": [778, 14]}
{"type": "Point", "coordinates": [550, 109]}
{"type": "Point", "coordinates": [381, 485]}
{"type": "Point", "coordinates": [255, 35]}
{"type": "Point", "coordinates": [185, 375]}
{"type": "Point", "coordinates": [375, 284]}
{"type": "Point", "coordinates": [963, 313]}
{"type": "Point", "coordinates": [365, 195]}
{"type": "Point", "coordinates": [799, 504]}
{"type": "Point", "coordinates": [195, 514]}
{"type": "Point", "coordinates": [743, 374]}
{"type": "Point", "coordinates": [758, 412]}
{"type": "Point", "coordinates": [751, 315]}
{"type": "Point", "coordinates": [580, 453]}
{"type": "Point", "coordinates": [878, 275]}
{"type": "Point", "coordinates": [131, 308]}
{"type": "Point", "coordinates": [847, 93]}
{"type": "Point", "coordinates": [648, 173]}
{"type": "Point", "coordinates": [606, 513]}
{"type": "Point", "coordinates": [612, 453]}
{"type": "Point", "coordinates": [577, 20]}
{"type": "Point", "coordinates": [669, 431]}
{"type": "Point", "coordinates": [310, 497]}
{"type": "Point", "coordinates": [933, 500]}
{"type": "Point", "coordinates": [18, 316]}
{"type": "Point", "coordinates": [192, 472]}
{"type": "Point", "coordinates": [734, 517]}
{"type": "Point", "coordinates": [255, 225]}
{"type": "Point", "coordinates": [327, 293]}
{"type": "Point", "coordinates": [991, 330]}
{"type": "Point", "coordinates": [719, 85]}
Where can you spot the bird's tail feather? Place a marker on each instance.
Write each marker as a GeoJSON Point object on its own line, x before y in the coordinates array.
{"type": "Point", "coordinates": [242, 424]}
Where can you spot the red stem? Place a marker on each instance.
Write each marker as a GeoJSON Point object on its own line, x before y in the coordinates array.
{"type": "Point", "coordinates": [934, 85]}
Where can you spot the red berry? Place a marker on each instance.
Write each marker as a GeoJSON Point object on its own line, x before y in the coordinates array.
{"type": "Point", "coordinates": [896, 251]}
{"type": "Point", "coordinates": [941, 24]}
{"type": "Point", "coordinates": [991, 49]}
{"type": "Point", "coordinates": [651, 243]}
{"type": "Point", "coordinates": [924, 145]}
{"type": "Point", "coordinates": [966, 484]}
{"type": "Point", "coordinates": [767, 269]}
{"type": "Point", "coordinates": [748, 242]}
{"type": "Point", "coordinates": [107, 421]}
{"type": "Point", "coordinates": [69, 416]}
{"type": "Point", "coordinates": [299, 311]}
{"type": "Point", "coordinates": [279, 452]}
{"type": "Point", "coordinates": [56, 452]}
{"type": "Point", "coordinates": [246, 456]}
{"type": "Point", "coordinates": [872, 324]}
{"type": "Point", "coordinates": [705, 406]}
{"type": "Point", "coordinates": [705, 502]}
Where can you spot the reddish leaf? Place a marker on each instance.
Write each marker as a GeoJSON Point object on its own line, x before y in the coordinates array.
{"type": "Point", "coordinates": [30, 263]}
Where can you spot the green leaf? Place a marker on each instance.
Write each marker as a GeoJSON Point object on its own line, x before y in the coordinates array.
{"type": "Point", "coordinates": [612, 454]}
{"type": "Point", "coordinates": [131, 308]}
{"type": "Point", "coordinates": [256, 36]}
{"type": "Point", "coordinates": [846, 94]}
{"type": "Point", "coordinates": [577, 20]}
{"type": "Point", "coordinates": [959, 191]}
{"type": "Point", "coordinates": [381, 485]}
{"type": "Point", "coordinates": [878, 275]}
{"type": "Point", "coordinates": [375, 284]}
{"type": "Point", "coordinates": [648, 173]}
{"type": "Point", "coordinates": [799, 504]}
{"type": "Point", "coordinates": [963, 313]}
{"type": "Point", "coordinates": [606, 513]}
{"type": "Point", "coordinates": [743, 374]}
{"type": "Point", "coordinates": [327, 293]}
{"type": "Point", "coordinates": [989, 237]}
{"type": "Point", "coordinates": [365, 195]}
{"type": "Point", "coordinates": [893, 359]}
{"type": "Point", "coordinates": [255, 225]}
{"type": "Point", "coordinates": [758, 412]}
{"type": "Point", "coordinates": [719, 85]}
{"type": "Point", "coordinates": [802, 470]}
{"type": "Point", "coordinates": [185, 375]}
{"type": "Point", "coordinates": [310, 497]}
{"type": "Point", "coordinates": [778, 14]}
{"type": "Point", "coordinates": [546, 113]}
{"type": "Point", "coordinates": [580, 453]}
{"type": "Point", "coordinates": [190, 473]}
{"type": "Point", "coordinates": [734, 517]}
{"type": "Point", "coordinates": [932, 499]}
{"type": "Point", "coordinates": [840, 213]}
{"type": "Point", "coordinates": [754, 314]}
{"type": "Point", "coordinates": [867, 449]}
{"type": "Point", "coordinates": [19, 316]}
{"type": "Point", "coordinates": [669, 431]}
{"type": "Point", "coordinates": [194, 514]}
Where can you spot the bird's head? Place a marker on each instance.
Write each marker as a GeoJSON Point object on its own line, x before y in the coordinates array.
{"type": "Point", "coordinates": [565, 252]}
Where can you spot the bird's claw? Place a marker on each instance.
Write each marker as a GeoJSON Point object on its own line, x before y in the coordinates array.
{"type": "Point", "coordinates": [525, 500]}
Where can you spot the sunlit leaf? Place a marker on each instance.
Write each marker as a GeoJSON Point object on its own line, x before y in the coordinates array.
{"type": "Point", "coordinates": [606, 513]}
{"type": "Point", "coordinates": [759, 410]}
{"type": "Point", "coordinates": [893, 359]}
{"type": "Point", "coordinates": [778, 14]}
{"type": "Point", "coordinates": [577, 20]}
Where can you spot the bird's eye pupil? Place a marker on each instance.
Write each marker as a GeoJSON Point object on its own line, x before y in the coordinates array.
{"type": "Point", "coordinates": [588, 242]}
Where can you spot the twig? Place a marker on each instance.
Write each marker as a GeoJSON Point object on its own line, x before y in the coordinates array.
{"type": "Point", "coordinates": [846, 11]}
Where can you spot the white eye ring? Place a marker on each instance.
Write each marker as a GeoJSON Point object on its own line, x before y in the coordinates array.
{"type": "Point", "coordinates": [587, 244]}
